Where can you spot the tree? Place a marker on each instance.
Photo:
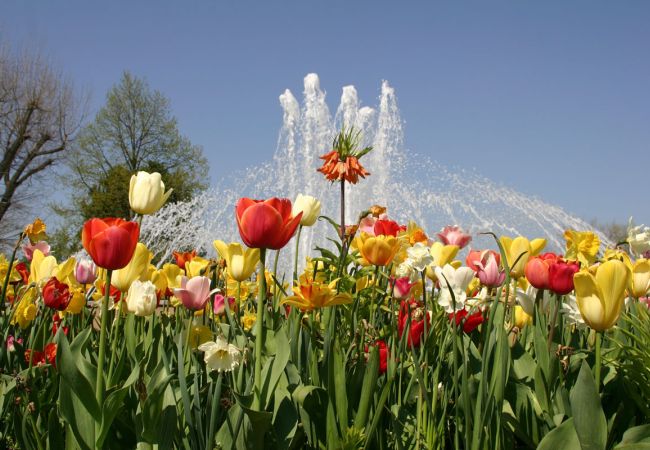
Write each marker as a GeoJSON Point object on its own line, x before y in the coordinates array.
{"type": "Point", "coordinates": [133, 131]}
{"type": "Point", "coordinates": [39, 118]}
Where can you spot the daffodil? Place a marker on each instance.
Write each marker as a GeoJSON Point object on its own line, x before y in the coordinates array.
{"type": "Point", "coordinates": [640, 280]}
{"type": "Point", "coordinates": [638, 237]}
{"type": "Point", "coordinates": [521, 317]}
{"type": "Point", "coordinates": [600, 297]}
{"type": "Point", "coordinates": [581, 246]}
{"type": "Point", "coordinates": [136, 269]}
{"type": "Point", "coordinates": [220, 355]}
{"type": "Point", "coordinates": [4, 266]}
{"type": "Point", "coordinates": [240, 262]}
{"type": "Point", "coordinates": [413, 234]}
{"type": "Point", "coordinates": [26, 309]}
{"type": "Point", "coordinates": [248, 320]}
{"type": "Point", "coordinates": [311, 295]}
{"type": "Point", "coordinates": [453, 286]}
{"type": "Point", "coordinates": [35, 231]}
{"type": "Point", "coordinates": [518, 250]}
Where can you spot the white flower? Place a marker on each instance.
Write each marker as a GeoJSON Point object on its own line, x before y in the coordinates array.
{"type": "Point", "coordinates": [527, 299]}
{"type": "Point", "coordinates": [453, 281]}
{"type": "Point", "coordinates": [638, 237]}
{"type": "Point", "coordinates": [310, 208]}
{"type": "Point", "coordinates": [420, 256]}
{"type": "Point", "coordinates": [571, 313]}
{"type": "Point", "coordinates": [147, 192]}
{"type": "Point", "coordinates": [406, 270]}
{"type": "Point", "coordinates": [220, 356]}
{"type": "Point", "coordinates": [141, 299]}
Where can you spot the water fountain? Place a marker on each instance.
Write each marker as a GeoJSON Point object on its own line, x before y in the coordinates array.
{"type": "Point", "coordinates": [413, 187]}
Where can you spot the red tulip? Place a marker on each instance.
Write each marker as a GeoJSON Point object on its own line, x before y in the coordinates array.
{"type": "Point", "coordinates": [21, 268]}
{"type": "Point", "coordinates": [266, 223]}
{"type": "Point", "coordinates": [36, 356]}
{"type": "Point", "coordinates": [561, 276]}
{"type": "Point", "coordinates": [56, 295]}
{"type": "Point", "coordinates": [402, 287]}
{"type": "Point", "coordinates": [110, 242]}
{"type": "Point", "coordinates": [418, 316]}
{"type": "Point", "coordinates": [386, 227]}
{"type": "Point", "coordinates": [469, 322]}
{"type": "Point", "coordinates": [383, 355]}
{"type": "Point", "coordinates": [183, 258]}
{"type": "Point", "coordinates": [50, 353]}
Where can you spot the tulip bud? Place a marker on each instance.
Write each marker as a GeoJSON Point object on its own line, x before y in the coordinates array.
{"type": "Point", "coordinates": [147, 193]}
{"type": "Point", "coordinates": [85, 272]}
{"type": "Point", "coordinates": [141, 299]}
{"type": "Point", "coordinates": [310, 208]}
{"type": "Point", "coordinates": [219, 304]}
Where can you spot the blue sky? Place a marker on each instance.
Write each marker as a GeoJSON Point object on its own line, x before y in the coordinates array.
{"type": "Point", "coordinates": [551, 98]}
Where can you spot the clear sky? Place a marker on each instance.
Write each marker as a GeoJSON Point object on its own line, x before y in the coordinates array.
{"type": "Point", "coordinates": [551, 98]}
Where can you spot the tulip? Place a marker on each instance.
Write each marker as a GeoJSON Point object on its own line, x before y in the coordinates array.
{"type": "Point", "coordinates": [561, 276]}
{"type": "Point", "coordinates": [28, 249]}
{"type": "Point", "coordinates": [640, 278]}
{"type": "Point", "coordinates": [402, 288]}
{"type": "Point", "coordinates": [488, 271]}
{"type": "Point", "coordinates": [453, 281]}
{"type": "Point", "coordinates": [147, 193]}
{"type": "Point", "coordinates": [56, 295]}
{"type": "Point", "coordinates": [141, 299]}
{"type": "Point", "coordinates": [136, 269]}
{"type": "Point", "coordinates": [413, 233]}
{"type": "Point", "coordinates": [182, 258]}
{"type": "Point", "coordinates": [42, 267]}
{"type": "Point", "coordinates": [219, 304]}
{"type": "Point", "coordinates": [470, 322]}
{"type": "Point", "coordinates": [442, 254]}
{"type": "Point", "coordinates": [537, 270]}
{"type": "Point", "coordinates": [194, 293]}
{"type": "Point", "coordinates": [240, 263]}
{"type": "Point", "coordinates": [377, 250]}
{"type": "Point", "coordinates": [386, 228]}
{"type": "Point", "coordinates": [600, 298]}
{"type": "Point", "coordinates": [521, 317]}
{"type": "Point", "coordinates": [518, 251]}
{"type": "Point", "coordinates": [310, 295]}
{"type": "Point", "coordinates": [454, 236]}
{"type": "Point", "coordinates": [266, 223]}
{"type": "Point", "coordinates": [85, 272]}
{"type": "Point", "coordinates": [582, 246]}
{"type": "Point", "coordinates": [309, 207]}
{"type": "Point", "coordinates": [418, 315]}
{"type": "Point", "coordinates": [476, 256]}
{"type": "Point", "coordinates": [110, 242]}
{"type": "Point", "coordinates": [383, 355]}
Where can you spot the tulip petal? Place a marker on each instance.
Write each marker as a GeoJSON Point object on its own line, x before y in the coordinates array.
{"type": "Point", "coordinates": [589, 299]}
{"type": "Point", "coordinates": [282, 206]}
{"type": "Point", "coordinates": [243, 204]}
{"type": "Point", "coordinates": [612, 277]}
{"type": "Point", "coordinates": [90, 229]}
{"type": "Point", "coordinates": [260, 226]}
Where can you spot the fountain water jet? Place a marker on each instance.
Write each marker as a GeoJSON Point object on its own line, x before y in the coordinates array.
{"type": "Point", "coordinates": [412, 186]}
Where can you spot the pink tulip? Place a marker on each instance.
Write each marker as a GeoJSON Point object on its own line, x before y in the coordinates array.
{"type": "Point", "coordinates": [454, 236]}
{"type": "Point", "coordinates": [402, 288]}
{"type": "Point", "coordinates": [219, 305]}
{"type": "Point", "coordinates": [488, 270]}
{"type": "Point", "coordinates": [28, 249]}
{"type": "Point", "coordinates": [85, 272]}
{"type": "Point", "coordinates": [194, 293]}
{"type": "Point", "coordinates": [645, 301]}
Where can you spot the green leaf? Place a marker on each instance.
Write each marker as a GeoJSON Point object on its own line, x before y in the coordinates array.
{"type": "Point", "coordinates": [563, 437]}
{"type": "Point", "coordinates": [588, 416]}
{"type": "Point", "coordinates": [114, 401]}
{"type": "Point", "coordinates": [368, 388]}
{"type": "Point", "coordinates": [635, 438]}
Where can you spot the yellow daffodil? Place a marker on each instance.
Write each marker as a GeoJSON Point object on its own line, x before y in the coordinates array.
{"type": "Point", "coordinates": [601, 297]}
{"type": "Point", "coordinates": [26, 309]}
{"type": "Point", "coordinates": [640, 280]}
{"type": "Point", "coordinates": [377, 250]}
{"type": "Point", "coordinates": [198, 335]}
{"type": "Point", "coordinates": [77, 301]}
{"type": "Point", "coordinates": [315, 295]}
{"type": "Point", "coordinates": [241, 262]}
{"type": "Point", "coordinates": [442, 255]}
{"type": "Point", "coordinates": [236, 288]}
{"type": "Point", "coordinates": [248, 320]}
{"type": "Point", "coordinates": [137, 269]}
{"type": "Point", "coordinates": [4, 266]}
{"type": "Point", "coordinates": [197, 267]}
{"type": "Point", "coordinates": [413, 234]}
{"type": "Point", "coordinates": [520, 249]}
{"type": "Point", "coordinates": [581, 246]}
{"type": "Point", "coordinates": [35, 231]}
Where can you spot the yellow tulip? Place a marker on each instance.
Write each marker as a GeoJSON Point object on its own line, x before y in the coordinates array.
{"type": "Point", "coordinates": [64, 272]}
{"type": "Point", "coordinates": [640, 280]}
{"type": "Point", "coordinates": [520, 249]}
{"type": "Point", "coordinates": [601, 297]}
{"type": "Point", "coordinates": [581, 246]}
{"type": "Point", "coordinates": [77, 301]}
{"type": "Point", "coordinates": [521, 317]}
{"type": "Point", "coordinates": [614, 253]}
{"type": "Point", "coordinates": [442, 255]}
{"type": "Point", "coordinates": [241, 263]}
{"type": "Point", "coordinates": [196, 267]}
{"type": "Point", "coordinates": [25, 309]}
{"type": "Point", "coordinates": [311, 295]}
{"type": "Point", "coordinates": [137, 269]}
{"type": "Point", "coordinates": [4, 266]}
{"type": "Point", "coordinates": [42, 267]}
{"type": "Point", "coordinates": [377, 250]}
{"type": "Point", "coordinates": [173, 275]}
{"type": "Point", "coordinates": [198, 335]}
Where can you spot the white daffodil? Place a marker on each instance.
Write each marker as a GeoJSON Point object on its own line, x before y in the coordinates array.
{"type": "Point", "coordinates": [571, 312]}
{"type": "Point", "coordinates": [638, 237]}
{"type": "Point", "coordinates": [419, 256]}
{"type": "Point", "coordinates": [453, 281]}
{"type": "Point", "coordinates": [220, 356]}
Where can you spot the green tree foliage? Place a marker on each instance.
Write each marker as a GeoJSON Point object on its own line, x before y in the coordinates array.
{"type": "Point", "coordinates": [135, 130]}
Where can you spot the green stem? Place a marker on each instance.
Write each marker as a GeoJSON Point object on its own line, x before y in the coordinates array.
{"type": "Point", "coordinates": [259, 332]}
{"type": "Point", "coordinates": [551, 334]}
{"type": "Point", "coordinates": [115, 332]}
{"type": "Point", "coordinates": [8, 275]}
{"type": "Point", "coordinates": [295, 258]}
{"type": "Point", "coordinates": [99, 386]}
{"type": "Point", "coordinates": [342, 231]}
{"type": "Point", "coordinates": [598, 360]}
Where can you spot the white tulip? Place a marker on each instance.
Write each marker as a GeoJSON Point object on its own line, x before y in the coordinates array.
{"type": "Point", "coordinates": [147, 193]}
{"type": "Point", "coordinates": [141, 299]}
{"type": "Point", "coordinates": [310, 208]}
